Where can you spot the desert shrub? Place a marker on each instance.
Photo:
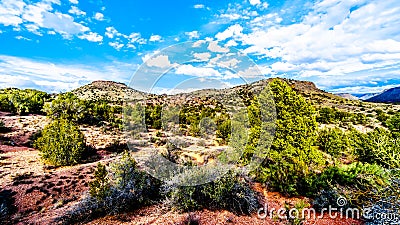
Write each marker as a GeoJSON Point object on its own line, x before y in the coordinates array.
{"type": "Point", "coordinates": [68, 106]}
{"type": "Point", "coordinates": [123, 187]}
{"type": "Point", "coordinates": [6, 104]}
{"type": "Point", "coordinates": [224, 130]}
{"type": "Point", "coordinates": [381, 116]}
{"type": "Point", "coordinates": [61, 143]}
{"type": "Point", "coordinates": [291, 158]}
{"type": "Point", "coordinates": [99, 187]}
{"type": "Point", "coordinates": [393, 123]}
{"type": "Point", "coordinates": [207, 127]}
{"type": "Point", "coordinates": [378, 146]}
{"type": "Point", "coordinates": [362, 176]}
{"type": "Point", "coordinates": [333, 141]}
{"type": "Point", "coordinates": [194, 130]}
{"type": "Point", "coordinates": [229, 192]}
{"type": "Point", "coordinates": [153, 116]}
{"type": "Point", "coordinates": [22, 101]}
{"type": "Point", "coordinates": [359, 182]}
{"type": "Point", "coordinates": [329, 115]}
{"type": "Point", "coordinates": [201, 119]}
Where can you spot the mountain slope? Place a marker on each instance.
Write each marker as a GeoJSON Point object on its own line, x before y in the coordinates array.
{"type": "Point", "coordinates": [389, 96]}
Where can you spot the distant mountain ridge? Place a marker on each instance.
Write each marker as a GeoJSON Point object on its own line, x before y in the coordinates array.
{"type": "Point", "coordinates": [389, 96]}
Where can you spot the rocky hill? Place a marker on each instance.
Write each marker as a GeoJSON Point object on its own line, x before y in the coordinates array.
{"type": "Point", "coordinates": [389, 96]}
{"type": "Point", "coordinates": [109, 91]}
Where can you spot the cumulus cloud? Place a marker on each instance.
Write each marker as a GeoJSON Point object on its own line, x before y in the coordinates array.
{"type": "Point", "coordinates": [333, 38]}
{"type": "Point", "coordinates": [76, 11]}
{"type": "Point", "coordinates": [40, 18]}
{"type": "Point", "coordinates": [155, 38]}
{"type": "Point", "coordinates": [191, 70]}
{"type": "Point", "coordinates": [74, 1]}
{"type": "Point", "coordinates": [111, 32]}
{"type": "Point", "coordinates": [192, 34]}
{"type": "Point", "coordinates": [116, 45]}
{"type": "Point", "coordinates": [230, 32]}
{"type": "Point", "coordinates": [160, 61]}
{"type": "Point", "coordinates": [99, 16]}
{"type": "Point", "coordinates": [11, 11]}
{"type": "Point", "coordinates": [203, 56]}
{"type": "Point", "coordinates": [255, 2]}
{"type": "Point", "coordinates": [214, 47]}
{"type": "Point", "coordinates": [93, 37]}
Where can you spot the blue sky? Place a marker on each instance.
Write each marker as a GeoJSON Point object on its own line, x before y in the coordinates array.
{"type": "Point", "coordinates": [343, 46]}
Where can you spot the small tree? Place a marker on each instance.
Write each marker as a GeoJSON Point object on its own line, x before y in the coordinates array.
{"type": "Point", "coordinates": [291, 157]}
{"type": "Point", "coordinates": [99, 187]}
{"type": "Point", "coordinates": [61, 143]}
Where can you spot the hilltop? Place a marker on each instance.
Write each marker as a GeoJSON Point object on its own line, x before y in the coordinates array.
{"type": "Point", "coordinates": [109, 91]}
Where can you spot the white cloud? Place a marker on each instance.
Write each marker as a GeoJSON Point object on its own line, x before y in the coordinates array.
{"type": "Point", "coordinates": [214, 47]}
{"type": "Point", "coordinates": [63, 24]}
{"type": "Point", "coordinates": [197, 71]}
{"type": "Point", "coordinates": [50, 77]}
{"type": "Point", "coordinates": [74, 1]}
{"type": "Point", "coordinates": [254, 2]}
{"type": "Point", "coordinates": [33, 29]}
{"type": "Point", "coordinates": [198, 43]}
{"type": "Point", "coordinates": [204, 56]}
{"type": "Point", "coordinates": [76, 11]}
{"type": "Point", "coordinates": [231, 16]}
{"type": "Point", "coordinates": [91, 36]}
{"type": "Point", "coordinates": [231, 43]}
{"type": "Point", "coordinates": [22, 38]}
{"type": "Point", "coordinates": [148, 56]}
{"type": "Point", "coordinates": [136, 38]}
{"type": "Point", "coordinates": [111, 32]}
{"type": "Point", "coordinates": [160, 61]}
{"type": "Point", "coordinates": [11, 11]}
{"type": "Point", "coordinates": [116, 45]}
{"type": "Point", "coordinates": [234, 30]}
{"type": "Point", "coordinates": [199, 6]}
{"type": "Point", "coordinates": [192, 34]}
{"type": "Point", "coordinates": [155, 38]}
{"type": "Point", "coordinates": [334, 38]}
{"type": "Point", "coordinates": [99, 16]}
{"type": "Point", "coordinates": [40, 18]}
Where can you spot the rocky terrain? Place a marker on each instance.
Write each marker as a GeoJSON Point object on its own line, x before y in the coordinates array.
{"type": "Point", "coordinates": [41, 193]}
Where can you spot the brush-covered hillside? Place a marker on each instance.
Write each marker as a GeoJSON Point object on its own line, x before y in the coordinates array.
{"type": "Point", "coordinates": [85, 156]}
